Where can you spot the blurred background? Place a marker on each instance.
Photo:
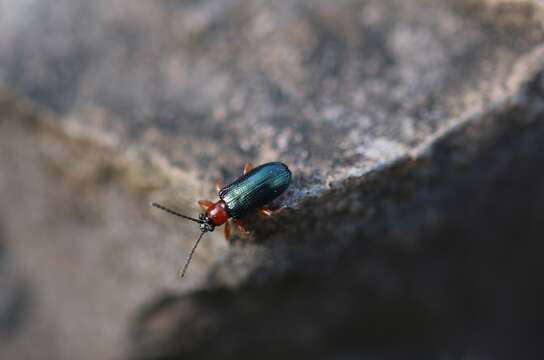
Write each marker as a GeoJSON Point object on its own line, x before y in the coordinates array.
{"type": "Point", "coordinates": [414, 224]}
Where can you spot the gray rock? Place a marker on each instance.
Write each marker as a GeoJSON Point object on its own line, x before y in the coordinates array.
{"type": "Point", "coordinates": [413, 129]}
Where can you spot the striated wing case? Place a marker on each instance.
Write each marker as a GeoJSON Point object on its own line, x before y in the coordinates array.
{"type": "Point", "coordinates": [256, 188]}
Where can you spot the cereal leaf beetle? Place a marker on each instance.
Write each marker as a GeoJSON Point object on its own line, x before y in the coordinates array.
{"type": "Point", "coordinates": [252, 191]}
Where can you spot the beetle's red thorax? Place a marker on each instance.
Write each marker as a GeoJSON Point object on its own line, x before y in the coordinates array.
{"type": "Point", "coordinates": [217, 213]}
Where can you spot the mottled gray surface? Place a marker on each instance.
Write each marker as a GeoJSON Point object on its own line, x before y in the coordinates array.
{"type": "Point", "coordinates": [318, 85]}
{"type": "Point", "coordinates": [413, 129]}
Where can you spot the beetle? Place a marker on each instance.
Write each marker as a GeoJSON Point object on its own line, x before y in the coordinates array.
{"type": "Point", "coordinates": [252, 191]}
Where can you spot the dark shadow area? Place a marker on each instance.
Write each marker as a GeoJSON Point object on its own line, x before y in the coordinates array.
{"type": "Point", "coordinates": [447, 264]}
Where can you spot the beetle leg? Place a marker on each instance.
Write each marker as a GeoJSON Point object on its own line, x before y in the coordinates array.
{"type": "Point", "coordinates": [241, 227]}
{"type": "Point", "coordinates": [247, 168]}
{"type": "Point", "coordinates": [270, 212]}
{"type": "Point", "coordinates": [218, 186]}
{"type": "Point", "coordinates": [266, 211]}
{"type": "Point", "coordinates": [205, 204]}
{"type": "Point", "coordinates": [227, 230]}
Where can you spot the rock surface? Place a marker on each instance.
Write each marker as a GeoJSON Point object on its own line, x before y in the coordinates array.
{"type": "Point", "coordinates": [413, 226]}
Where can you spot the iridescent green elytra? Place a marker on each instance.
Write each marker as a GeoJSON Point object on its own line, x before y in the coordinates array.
{"type": "Point", "coordinates": [256, 188]}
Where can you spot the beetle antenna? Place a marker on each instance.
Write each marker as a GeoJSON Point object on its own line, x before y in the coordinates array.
{"type": "Point", "coordinates": [158, 206]}
{"type": "Point", "coordinates": [182, 270]}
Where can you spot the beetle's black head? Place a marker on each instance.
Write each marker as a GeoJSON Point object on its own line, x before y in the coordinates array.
{"type": "Point", "coordinates": [206, 224]}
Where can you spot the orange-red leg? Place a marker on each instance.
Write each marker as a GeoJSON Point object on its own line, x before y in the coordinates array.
{"type": "Point", "coordinates": [241, 227]}
{"type": "Point", "coordinates": [269, 212]}
{"type": "Point", "coordinates": [218, 186]}
{"type": "Point", "coordinates": [247, 168]}
{"type": "Point", "coordinates": [266, 211]}
{"type": "Point", "coordinates": [205, 204]}
{"type": "Point", "coordinates": [227, 230]}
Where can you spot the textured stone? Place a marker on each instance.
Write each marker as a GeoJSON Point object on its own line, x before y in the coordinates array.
{"type": "Point", "coordinates": [413, 129]}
